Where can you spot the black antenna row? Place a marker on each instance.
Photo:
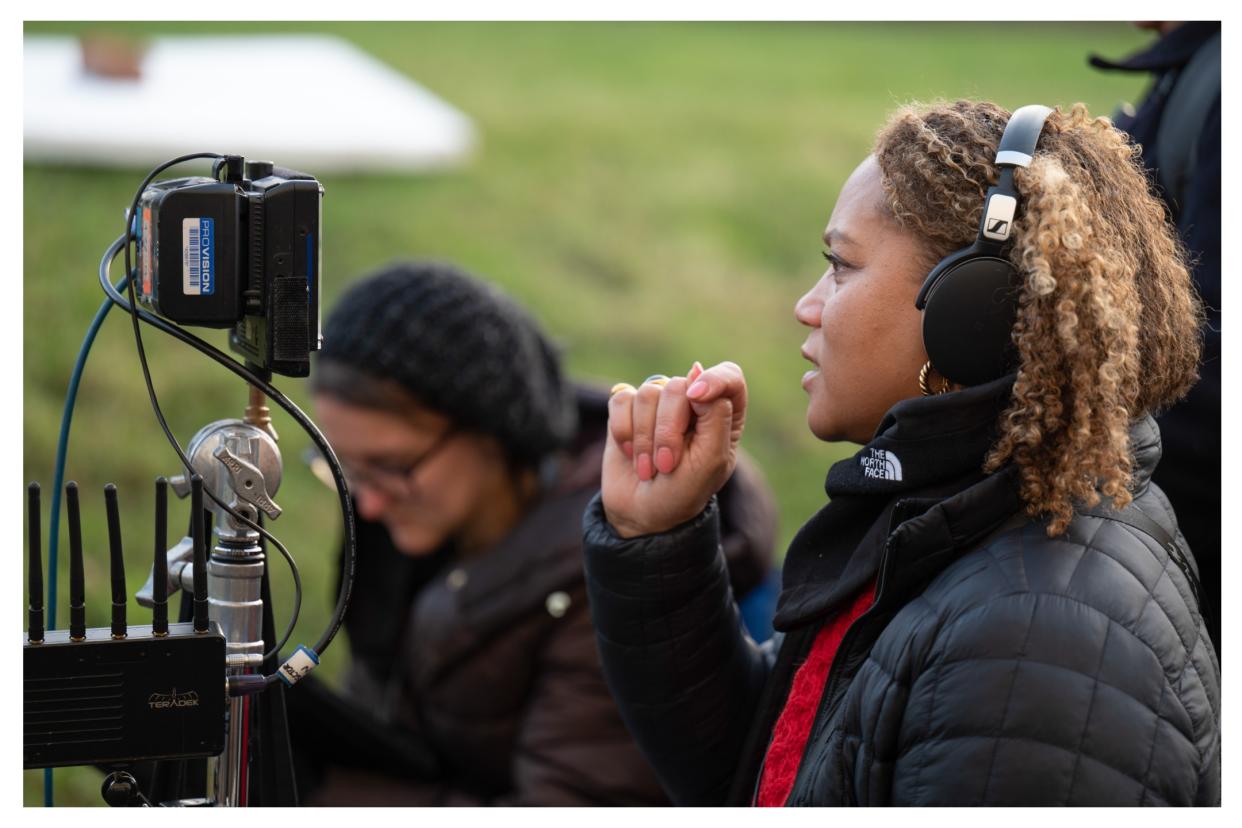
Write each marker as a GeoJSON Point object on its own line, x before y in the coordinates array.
{"type": "Point", "coordinates": [199, 521]}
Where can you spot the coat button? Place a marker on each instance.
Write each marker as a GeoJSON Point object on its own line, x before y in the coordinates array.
{"type": "Point", "coordinates": [557, 604]}
{"type": "Point", "coordinates": [457, 579]}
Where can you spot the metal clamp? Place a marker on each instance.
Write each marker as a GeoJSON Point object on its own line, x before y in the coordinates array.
{"type": "Point", "coordinates": [247, 480]}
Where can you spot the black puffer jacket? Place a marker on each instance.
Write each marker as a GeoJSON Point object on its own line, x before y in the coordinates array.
{"type": "Point", "coordinates": [997, 665]}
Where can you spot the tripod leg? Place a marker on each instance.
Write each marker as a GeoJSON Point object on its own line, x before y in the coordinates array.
{"type": "Point", "coordinates": [272, 780]}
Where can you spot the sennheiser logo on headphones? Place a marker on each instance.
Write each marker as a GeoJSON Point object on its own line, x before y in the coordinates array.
{"type": "Point", "coordinates": [881, 465]}
{"type": "Point", "coordinates": [999, 216]}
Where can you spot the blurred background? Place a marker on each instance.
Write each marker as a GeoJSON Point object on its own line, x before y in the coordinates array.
{"type": "Point", "coordinates": [654, 193]}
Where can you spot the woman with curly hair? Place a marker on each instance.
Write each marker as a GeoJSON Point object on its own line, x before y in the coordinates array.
{"type": "Point", "coordinates": [996, 605]}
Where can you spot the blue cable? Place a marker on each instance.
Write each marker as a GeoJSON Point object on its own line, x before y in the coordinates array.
{"type": "Point", "coordinates": [62, 449]}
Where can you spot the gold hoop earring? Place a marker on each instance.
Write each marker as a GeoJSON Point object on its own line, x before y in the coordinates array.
{"type": "Point", "coordinates": [925, 387]}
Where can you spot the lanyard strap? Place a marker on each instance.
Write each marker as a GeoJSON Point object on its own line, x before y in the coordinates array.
{"type": "Point", "coordinates": [1135, 519]}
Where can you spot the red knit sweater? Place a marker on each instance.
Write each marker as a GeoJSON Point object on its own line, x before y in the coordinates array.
{"type": "Point", "coordinates": [793, 728]}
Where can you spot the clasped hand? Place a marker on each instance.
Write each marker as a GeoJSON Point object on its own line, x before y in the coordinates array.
{"type": "Point", "coordinates": [671, 446]}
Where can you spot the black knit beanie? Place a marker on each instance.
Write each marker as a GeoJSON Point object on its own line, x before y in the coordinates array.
{"type": "Point", "coordinates": [462, 348]}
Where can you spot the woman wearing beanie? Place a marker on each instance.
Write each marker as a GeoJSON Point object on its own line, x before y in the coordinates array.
{"type": "Point", "coordinates": [996, 605]}
{"type": "Point", "coordinates": [475, 677]}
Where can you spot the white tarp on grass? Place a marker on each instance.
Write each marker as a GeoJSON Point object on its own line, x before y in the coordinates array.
{"type": "Point", "coordinates": [308, 102]}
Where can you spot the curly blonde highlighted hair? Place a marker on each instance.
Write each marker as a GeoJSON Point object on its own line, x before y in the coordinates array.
{"type": "Point", "coordinates": [1108, 321]}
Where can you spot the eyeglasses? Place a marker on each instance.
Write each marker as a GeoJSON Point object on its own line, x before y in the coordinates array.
{"type": "Point", "coordinates": [396, 482]}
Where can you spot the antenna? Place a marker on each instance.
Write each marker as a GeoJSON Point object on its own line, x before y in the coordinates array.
{"type": "Point", "coordinates": [35, 576]}
{"type": "Point", "coordinates": [77, 581]}
{"type": "Point", "coordinates": [197, 526]}
{"type": "Point", "coordinates": [118, 562]}
{"type": "Point", "coordinates": [159, 585]}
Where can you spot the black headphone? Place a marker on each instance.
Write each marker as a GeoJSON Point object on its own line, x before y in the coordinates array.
{"type": "Point", "coordinates": [970, 299]}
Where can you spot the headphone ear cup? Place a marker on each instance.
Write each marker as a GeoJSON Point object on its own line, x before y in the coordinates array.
{"type": "Point", "coordinates": [968, 319]}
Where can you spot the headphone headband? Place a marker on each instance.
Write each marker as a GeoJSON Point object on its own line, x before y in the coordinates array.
{"type": "Point", "coordinates": [1017, 145]}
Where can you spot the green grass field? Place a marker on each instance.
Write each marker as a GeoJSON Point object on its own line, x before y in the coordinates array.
{"type": "Point", "coordinates": [654, 192]}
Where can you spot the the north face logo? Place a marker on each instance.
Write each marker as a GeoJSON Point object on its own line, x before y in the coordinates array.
{"type": "Point", "coordinates": [881, 464]}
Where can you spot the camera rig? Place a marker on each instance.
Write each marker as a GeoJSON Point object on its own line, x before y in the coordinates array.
{"type": "Point", "coordinates": [150, 703]}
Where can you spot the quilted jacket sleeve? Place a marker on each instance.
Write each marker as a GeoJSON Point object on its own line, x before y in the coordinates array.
{"type": "Point", "coordinates": [1054, 672]}
{"type": "Point", "coordinates": [682, 670]}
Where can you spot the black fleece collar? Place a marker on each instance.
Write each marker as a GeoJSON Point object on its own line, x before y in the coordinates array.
{"type": "Point", "coordinates": [927, 448]}
{"type": "Point", "coordinates": [923, 441]}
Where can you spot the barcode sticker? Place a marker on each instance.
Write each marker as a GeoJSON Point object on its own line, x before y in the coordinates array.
{"type": "Point", "coordinates": [198, 256]}
{"type": "Point", "coordinates": [147, 243]}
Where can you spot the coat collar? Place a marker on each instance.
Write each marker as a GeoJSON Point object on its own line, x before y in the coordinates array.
{"type": "Point", "coordinates": [941, 503]}
{"type": "Point", "coordinates": [925, 449]}
{"type": "Point", "coordinates": [923, 441]}
{"type": "Point", "coordinates": [538, 556]}
{"type": "Point", "coordinates": [1146, 446]}
{"type": "Point", "coordinates": [926, 526]}
{"type": "Point", "coordinates": [1169, 51]}
{"type": "Point", "coordinates": [534, 572]}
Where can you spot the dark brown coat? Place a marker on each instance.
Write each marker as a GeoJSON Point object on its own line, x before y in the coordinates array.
{"type": "Point", "coordinates": [496, 673]}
